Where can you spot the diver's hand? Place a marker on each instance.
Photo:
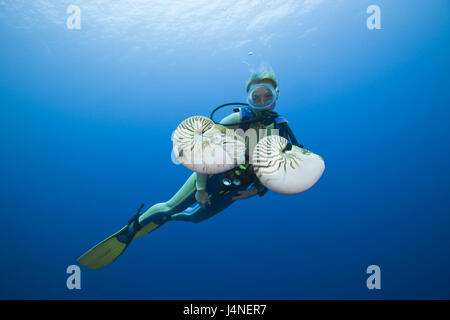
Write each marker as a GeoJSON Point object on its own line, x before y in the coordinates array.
{"type": "Point", "coordinates": [202, 198]}
{"type": "Point", "coordinates": [244, 194]}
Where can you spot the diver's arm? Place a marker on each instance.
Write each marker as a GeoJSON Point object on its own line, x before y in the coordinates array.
{"type": "Point", "coordinates": [256, 189]}
{"type": "Point", "coordinates": [245, 194]}
{"type": "Point", "coordinates": [200, 182]}
{"type": "Point", "coordinates": [291, 136]}
{"type": "Point", "coordinates": [201, 195]}
{"type": "Point", "coordinates": [260, 188]}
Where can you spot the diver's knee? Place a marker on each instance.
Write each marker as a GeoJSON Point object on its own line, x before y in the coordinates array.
{"type": "Point", "coordinates": [157, 213]}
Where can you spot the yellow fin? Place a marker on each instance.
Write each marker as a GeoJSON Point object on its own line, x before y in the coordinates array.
{"type": "Point", "coordinates": [109, 249]}
{"type": "Point", "coordinates": [103, 253]}
{"type": "Point", "coordinates": [146, 229]}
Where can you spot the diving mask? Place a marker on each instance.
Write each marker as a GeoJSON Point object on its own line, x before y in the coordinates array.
{"type": "Point", "coordinates": [261, 96]}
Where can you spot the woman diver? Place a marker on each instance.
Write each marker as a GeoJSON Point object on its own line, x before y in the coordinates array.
{"type": "Point", "coordinates": [203, 195]}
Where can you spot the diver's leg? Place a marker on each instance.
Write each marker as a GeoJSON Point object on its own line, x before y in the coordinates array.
{"type": "Point", "coordinates": [112, 247]}
{"type": "Point", "coordinates": [159, 213]}
{"type": "Point", "coordinates": [197, 213]}
{"type": "Point", "coordinates": [181, 200]}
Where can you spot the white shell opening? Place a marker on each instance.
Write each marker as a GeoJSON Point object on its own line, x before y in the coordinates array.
{"type": "Point", "coordinates": [286, 172]}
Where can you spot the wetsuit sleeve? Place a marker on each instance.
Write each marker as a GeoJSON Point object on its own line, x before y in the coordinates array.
{"type": "Point", "coordinates": [262, 190]}
{"type": "Point", "coordinates": [292, 137]}
{"type": "Point", "coordinates": [286, 132]}
{"type": "Point", "coordinates": [200, 182]}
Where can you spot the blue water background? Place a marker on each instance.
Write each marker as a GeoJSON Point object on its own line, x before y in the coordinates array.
{"type": "Point", "coordinates": [85, 123]}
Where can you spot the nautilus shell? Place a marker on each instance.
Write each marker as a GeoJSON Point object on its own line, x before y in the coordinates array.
{"type": "Point", "coordinates": [288, 172]}
{"type": "Point", "coordinates": [205, 147]}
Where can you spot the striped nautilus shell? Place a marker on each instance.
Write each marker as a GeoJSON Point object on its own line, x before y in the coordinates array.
{"type": "Point", "coordinates": [205, 147]}
{"type": "Point", "coordinates": [286, 172]}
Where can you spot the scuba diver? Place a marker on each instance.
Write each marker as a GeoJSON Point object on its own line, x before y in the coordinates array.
{"type": "Point", "coordinates": [204, 195]}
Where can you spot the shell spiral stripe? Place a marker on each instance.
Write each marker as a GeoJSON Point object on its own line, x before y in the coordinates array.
{"type": "Point", "coordinates": [205, 147]}
{"type": "Point", "coordinates": [189, 130]}
{"type": "Point", "coordinates": [287, 172]}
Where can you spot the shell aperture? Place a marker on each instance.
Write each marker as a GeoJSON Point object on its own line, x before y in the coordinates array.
{"type": "Point", "coordinates": [287, 172]}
